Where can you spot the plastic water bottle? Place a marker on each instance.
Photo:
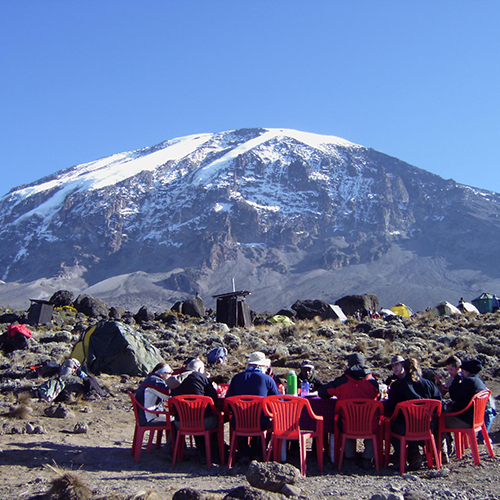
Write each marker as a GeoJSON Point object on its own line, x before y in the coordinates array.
{"type": "Point", "coordinates": [304, 389]}
{"type": "Point", "coordinates": [291, 384]}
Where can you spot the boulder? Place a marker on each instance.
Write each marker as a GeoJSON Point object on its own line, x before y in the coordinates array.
{"type": "Point", "coordinates": [192, 307]}
{"type": "Point", "coordinates": [351, 304]}
{"type": "Point", "coordinates": [249, 493]}
{"type": "Point", "coordinates": [62, 298]}
{"type": "Point", "coordinates": [309, 309]}
{"type": "Point", "coordinates": [188, 494]}
{"type": "Point", "coordinates": [271, 476]}
{"type": "Point", "coordinates": [90, 306]}
{"type": "Point", "coordinates": [144, 314]}
{"type": "Point", "coordinates": [116, 312]}
{"type": "Point", "coordinates": [9, 318]}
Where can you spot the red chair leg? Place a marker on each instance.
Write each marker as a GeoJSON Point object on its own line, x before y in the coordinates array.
{"type": "Point", "coordinates": [487, 441]}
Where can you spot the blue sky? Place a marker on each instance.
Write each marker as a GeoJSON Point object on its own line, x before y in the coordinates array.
{"type": "Point", "coordinates": [418, 80]}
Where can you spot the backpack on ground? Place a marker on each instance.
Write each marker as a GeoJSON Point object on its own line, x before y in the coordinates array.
{"type": "Point", "coordinates": [50, 389]}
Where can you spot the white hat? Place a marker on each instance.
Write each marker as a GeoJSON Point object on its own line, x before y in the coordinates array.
{"type": "Point", "coordinates": [259, 359]}
{"type": "Point", "coordinates": [164, 369]}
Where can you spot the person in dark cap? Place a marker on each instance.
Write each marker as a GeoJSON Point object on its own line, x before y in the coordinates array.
{"type": "Point", "coordinates": [398, 371]}
{"type": "Point", "coordinates": [357, 382]}
{"type": "Point", "coordinates": [461, 394]}
{"type": "Point", "coordinates": [307, 374]}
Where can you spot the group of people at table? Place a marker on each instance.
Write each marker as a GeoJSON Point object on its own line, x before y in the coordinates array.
{"type": "Point", "coordinates": [357, 382]}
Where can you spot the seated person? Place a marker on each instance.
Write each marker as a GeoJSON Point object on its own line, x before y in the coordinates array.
{"type": "Point", "coordinates": [453, 367]}
{"type": "Point", "coordinates": [307, 374]}
{"type": "Point", "coordinates": [194, 381]}
{"type": "Point", "coordinates": [253, 382]}
{"type": "Point", "coordinates": [152, 392]}
{"type": "Point", "coordinates": [398, 371]}
{"type": "Point", "coordinates": [411, 386]}
{"type": "Point", "coordinates": [357, 382]}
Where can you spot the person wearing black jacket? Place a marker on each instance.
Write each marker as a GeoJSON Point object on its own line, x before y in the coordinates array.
{"type": "Point", "coordinates": [195, 381]}
{"type": "Point", "coordinates": [411, 386]}
{"type": "Point", "coordinates": [307, 374]}
{"type": "Point", "coordinates": [461, 393]}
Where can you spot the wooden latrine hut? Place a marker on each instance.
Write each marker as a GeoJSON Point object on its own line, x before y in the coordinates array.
{"type": "Point", "coordinates": [232, 309]}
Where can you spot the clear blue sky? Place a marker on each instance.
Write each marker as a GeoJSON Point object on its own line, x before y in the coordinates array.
{"type": "Point", "coordinates": [415, 79]}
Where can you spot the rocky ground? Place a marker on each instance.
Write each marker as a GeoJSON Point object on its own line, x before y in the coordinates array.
{"type": "Point", "coordinates": [92, 436]}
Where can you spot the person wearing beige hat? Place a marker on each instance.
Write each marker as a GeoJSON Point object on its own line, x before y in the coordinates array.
{"type": "Point", "coordinates": [397, 367]}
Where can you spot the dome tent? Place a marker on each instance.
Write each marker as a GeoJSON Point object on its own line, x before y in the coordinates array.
{"type": "Point", "coordinates": [445, 309]}
{"type": "Point", "coordinates": [116, 348]}
{"type": "Point", "coordinates": [467, 307]}
{"type": "Point", "coordinates": [402, 310]}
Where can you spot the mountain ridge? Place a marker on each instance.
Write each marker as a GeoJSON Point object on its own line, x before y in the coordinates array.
{"type": "Point", "coordinates": [285, 206]}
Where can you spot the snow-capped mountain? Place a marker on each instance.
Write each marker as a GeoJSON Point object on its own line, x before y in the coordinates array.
{"type": "Point", "coordinates": [289, 214]}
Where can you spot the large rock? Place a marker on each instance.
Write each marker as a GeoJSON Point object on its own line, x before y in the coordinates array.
{"type": "Point", "coordinates": [144, 314]}
{"type": "Point", "coordinates": [271, 476]}
{"type": "Point", "coordinates": [249, 493]}
{"type": "Point", "coordinates": [188, 494]}
{"type": "Point", "coordinates": [90, 306]}
{"type": "Point", "coordinates": [193, 307]}
{"type": "Point", "coordinates": [351, 304]}
{"type": "Point", "coordinates": [62, 298]}
{"type": "Point", "coordinates": [309, 309]}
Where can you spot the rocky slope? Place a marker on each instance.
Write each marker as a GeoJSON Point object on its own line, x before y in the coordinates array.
{"type": "Point", "coordinates": [92, 436]}
{"type": "Point", "coordinates": [286, 213]}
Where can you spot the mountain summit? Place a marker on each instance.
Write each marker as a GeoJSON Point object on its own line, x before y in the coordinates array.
{"type": "Point", "coordinates": [289, 214]}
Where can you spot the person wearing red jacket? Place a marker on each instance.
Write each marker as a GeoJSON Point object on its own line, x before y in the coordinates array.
{"type": "Point", "coordinates": [357, 382]}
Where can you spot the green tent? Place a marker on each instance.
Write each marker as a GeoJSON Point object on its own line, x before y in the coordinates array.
{"type": "Point", "coordinates": [116, 348]}
{"type": "Point", "coordinates": [486, 303]}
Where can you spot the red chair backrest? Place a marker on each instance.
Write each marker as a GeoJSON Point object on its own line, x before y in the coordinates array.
{"type": "Point", "coordinates": [135, 405]}
{"type": "Point", "coordinates": [418, 414]}
{"type": "Point", "coordinates": [285, 412]}
{"type": "Point", "coordinates": [360, 416]}
{"type": "Point", "coordinates": [479, 401]}
{"type": "Point", "coordinates": [190, 410]}
{"type": "Point", "coordinates": [247, 411]}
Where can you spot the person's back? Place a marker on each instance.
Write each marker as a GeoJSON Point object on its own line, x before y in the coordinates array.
{"type": "Point", "coordinates": [196, 382]}
{"type": "Point", "coordinates": [252, 382]}
{"type": "Point", "coordinates": [357, 382]}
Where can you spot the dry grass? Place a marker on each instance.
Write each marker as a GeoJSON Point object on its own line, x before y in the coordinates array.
{"type": "Point", "coordinates": [21, 412]}
{"type": "Point", "coordinates": [67, 486]}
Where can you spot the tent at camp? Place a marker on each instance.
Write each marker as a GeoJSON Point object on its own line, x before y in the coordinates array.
{"type": "Point", "coordinates": [386, 313]}
{"type": "Point", "coordinates": [338, 313]}
{"type": "Point", "coordinates": [116, 348]}
{"type": "Point", "coordinates": [467, 307]}
{"type": "Point", "coordinates": [486, 303]}
{"type": "Point", "coordinates": [402, 310]}
{"type": "Point", "coordinates": [445, 309]}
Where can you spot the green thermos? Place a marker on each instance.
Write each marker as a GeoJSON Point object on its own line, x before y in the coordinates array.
{"type": "Point", "coordinates": [291, 384]}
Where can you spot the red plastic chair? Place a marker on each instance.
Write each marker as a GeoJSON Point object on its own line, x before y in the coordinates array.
{"type": "Point", "coordinates": [418, 415]}
{"type": "Point", "coordinates": [361, 419]}
{"type": "Point", "coordinates": [140, 430]}
{"type": "Point", "coordinates": [190, 412]}
{"type": "Point", "coordinates": [464, 434]}
{"type": "Point", "coordinates": [285, 412]}
{"type": "Point", "coordinates": [247, 412]}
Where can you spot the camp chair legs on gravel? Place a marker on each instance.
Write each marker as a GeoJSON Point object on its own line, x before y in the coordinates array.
{"type": "Point", "coordinates": [189, 411]}
{"type": "Point", "coordinates": [246, 415]}
{"type": "Point", "coordinates": [361, 419]}
{"type": "Point", "coordinates": [418, 416]}
{"type": "Point", "coordinates": [285, 412]}
{"type": "Point", "coordinates": [469, 434]}
{"type": "Point", "coordinates": [140, 430]}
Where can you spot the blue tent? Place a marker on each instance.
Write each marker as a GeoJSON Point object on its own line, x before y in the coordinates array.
{"type": "Point", "coordinates": [486, 303]}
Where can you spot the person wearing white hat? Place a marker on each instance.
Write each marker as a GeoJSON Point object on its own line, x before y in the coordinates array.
{"type": "Point", "coordinates": [253, 382]}
{"type": "Point", "coordinates": [152, 392]}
